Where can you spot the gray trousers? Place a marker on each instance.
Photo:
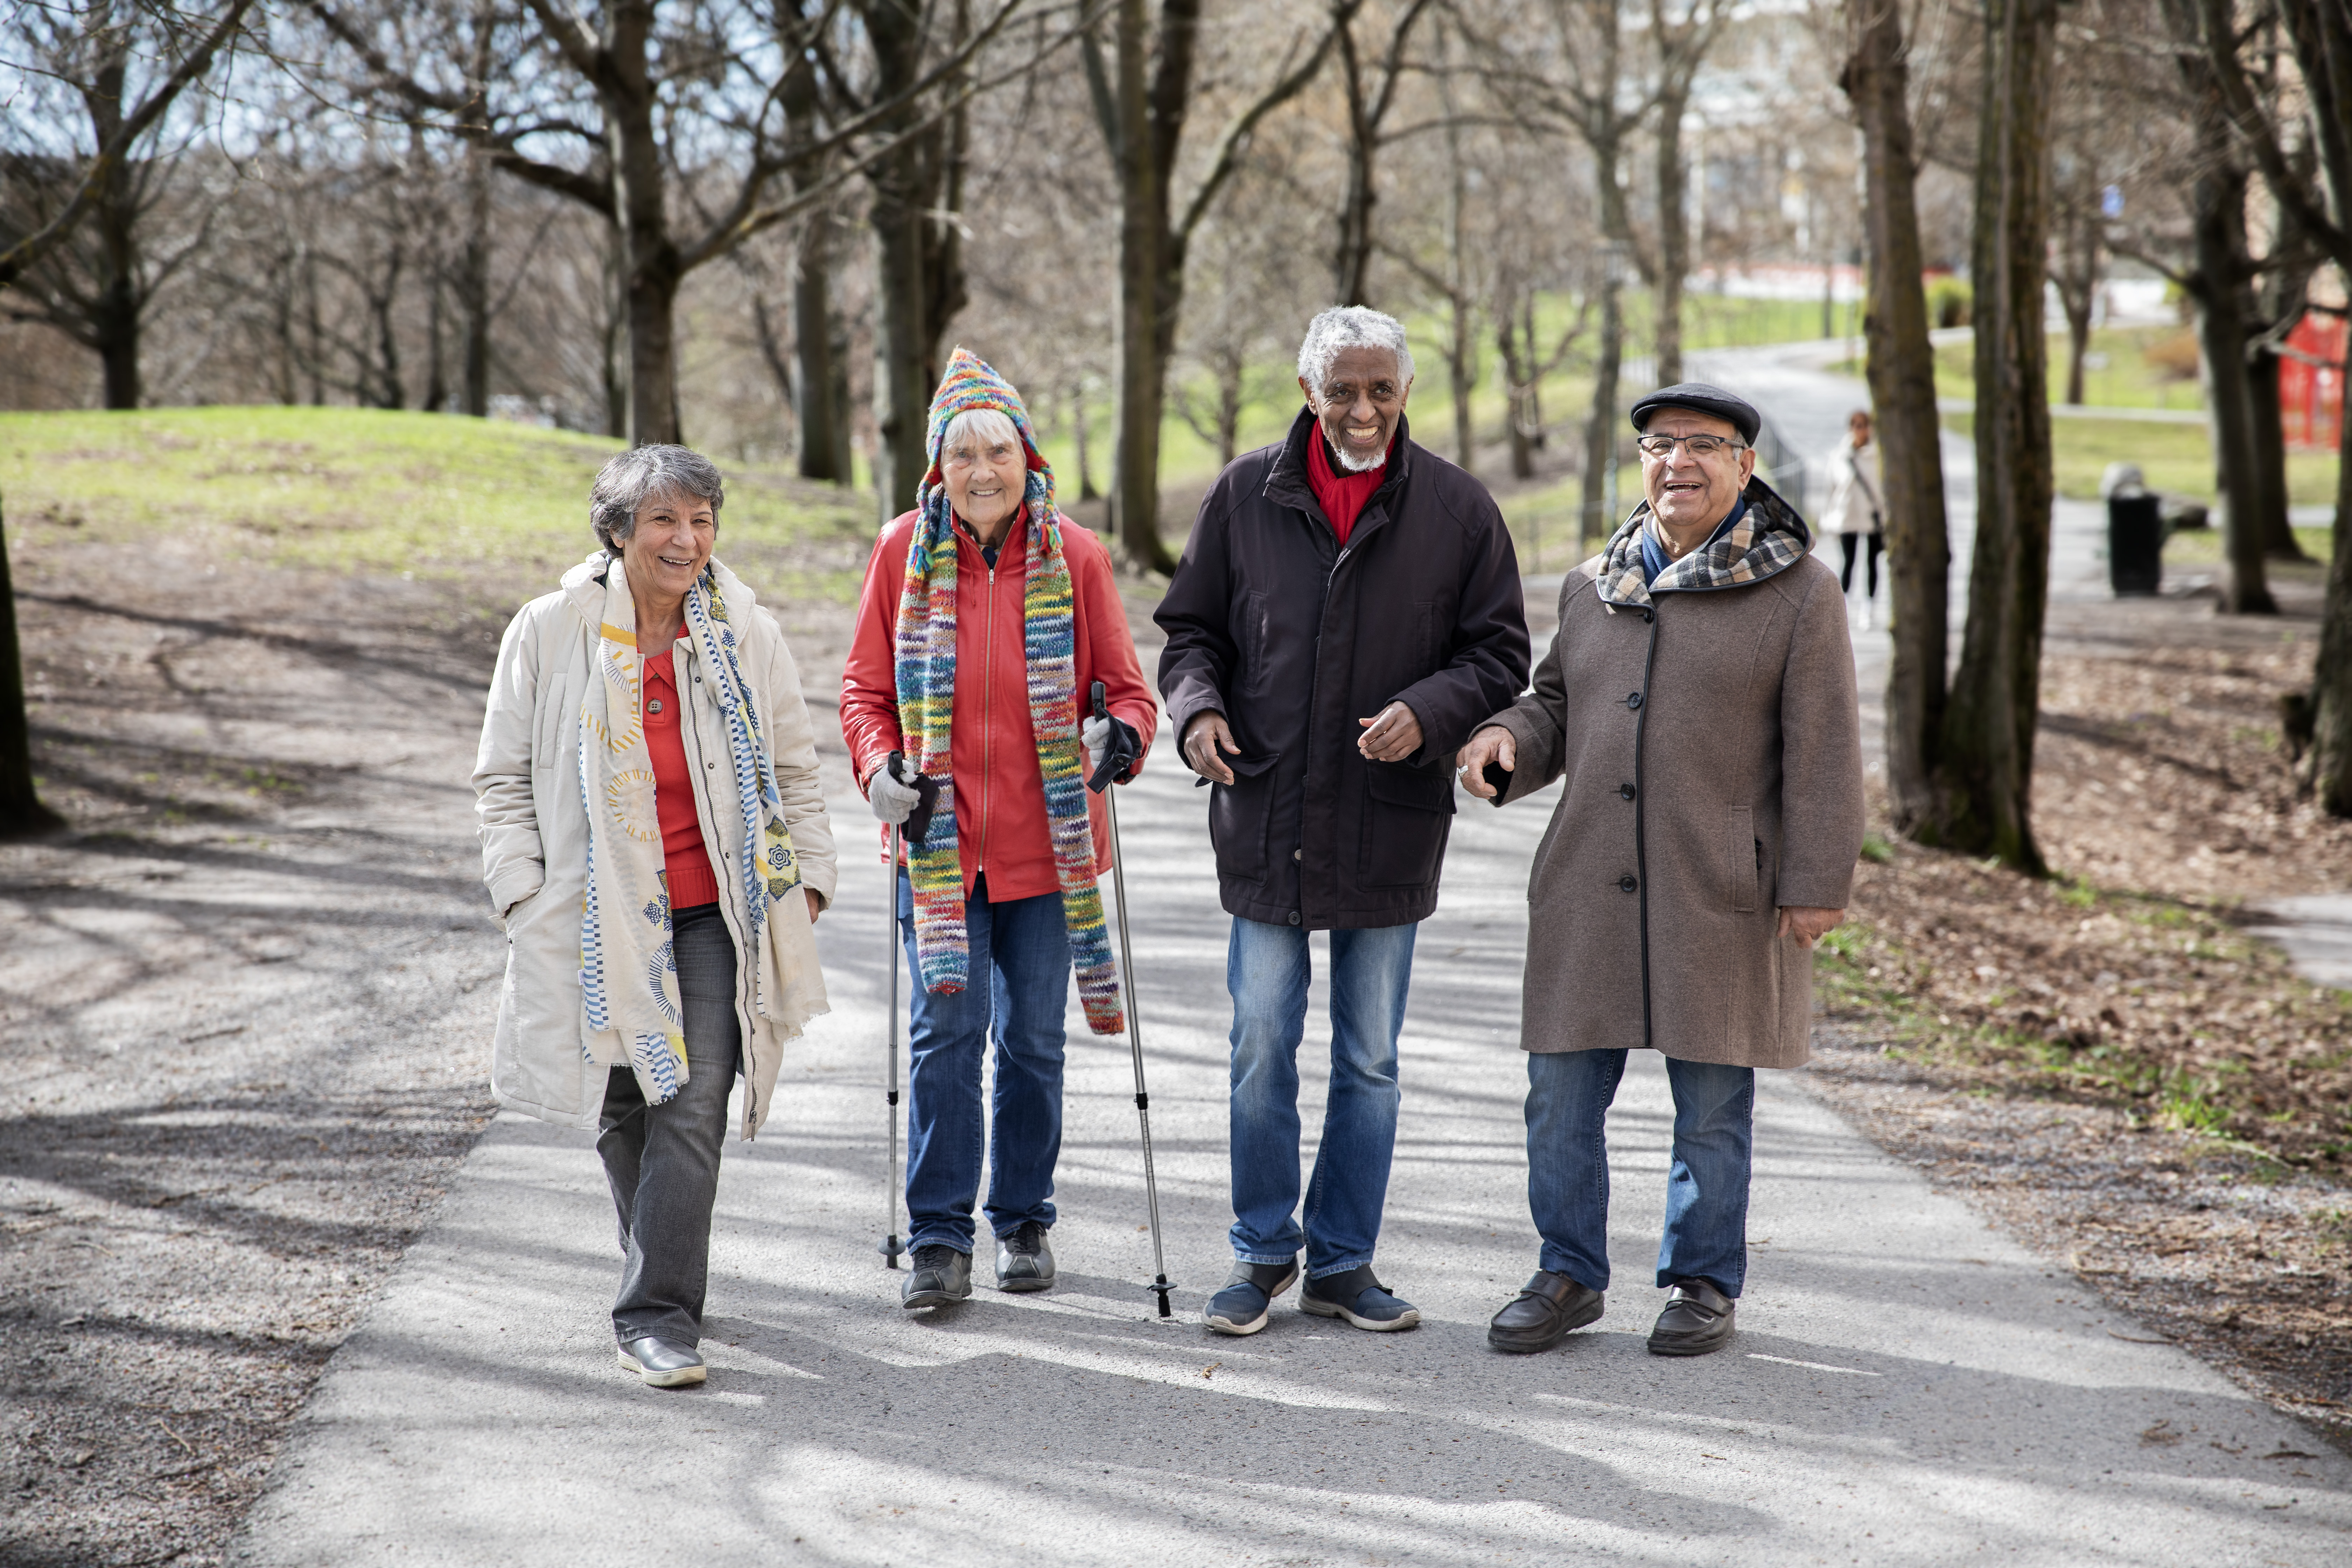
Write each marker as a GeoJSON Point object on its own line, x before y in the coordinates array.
{"type": "Point", "coordinates": [663, 1160]}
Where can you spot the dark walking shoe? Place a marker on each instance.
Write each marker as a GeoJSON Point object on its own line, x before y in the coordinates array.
{"type": "Point", "coordinates": [1359, 1298]}
{"type": "Point", "coordinates": [1024, 1260]}
{"type": "Point", "coordinates": [663, 1364]}
{"type": "Point", "coordinates": [940, 1275]}
{"type": "Point", "coordinates": [1242, 1306]}
{"type": "Point", "coordinates": [1697, 1320]}
{"type": "Point", "coordinates": [1547, 1310]}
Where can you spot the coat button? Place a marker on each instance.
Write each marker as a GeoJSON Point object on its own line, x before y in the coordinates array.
{"type": "Point", "coordinates": [1298, 854]}
{"type": "Point", "coordinates": [1294, 917]}
{"type": "Point", "coordinates": [1627, 885]}
{"type": "Point", "coordinates": [1633, 700]}
{"type": "Point", "coordinates": [1626, 791]}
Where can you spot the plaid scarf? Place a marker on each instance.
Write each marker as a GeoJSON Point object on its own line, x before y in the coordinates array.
{"type": "Point", "coordinates": [1768, 541]}
{"type": "Point", "coordinates": [926, 668]}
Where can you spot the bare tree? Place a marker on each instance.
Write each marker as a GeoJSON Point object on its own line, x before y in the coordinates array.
{"type": "Point", "coordinates": [1987, 755]}
{"type": "Point", "coordinates": [1902, 371]}
{"type": "Point", "coordinates": [1368, 103]}
{"type": "Point", "coordinates": [1680, 44]}
{"type": "Point", "coordinates": [1141, 102]}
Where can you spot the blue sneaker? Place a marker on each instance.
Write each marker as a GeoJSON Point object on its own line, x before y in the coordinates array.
{"type": "Point", "coordinates": [1359, 1298]}
{"type": "Point", "coordinates": [1240, 1307]}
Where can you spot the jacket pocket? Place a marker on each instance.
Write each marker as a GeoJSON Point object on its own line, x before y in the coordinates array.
{"type": "Point", "coordinates": [1405, 826]}
{"type": "Point", "coordinates": [1747, 854]}
{"type": "Point", "coordinates": [1241, 814]}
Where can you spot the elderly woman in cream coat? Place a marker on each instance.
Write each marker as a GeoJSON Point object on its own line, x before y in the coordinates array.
{"type": "Point", "coordinates": [654, 838]}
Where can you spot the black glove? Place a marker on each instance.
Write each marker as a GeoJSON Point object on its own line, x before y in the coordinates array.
{"type": "Point", "coordinates": [917, 822]}
{"type": "Point", "coordinates": [1117, 750]}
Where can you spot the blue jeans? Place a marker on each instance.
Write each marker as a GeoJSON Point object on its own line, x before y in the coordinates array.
{"type": "Point", "coordinates": [1266, 970]}
{"type": "Point", "coordinates": [1019, 985]}
{"type": "Point", "coordinates": [1707, 1189]}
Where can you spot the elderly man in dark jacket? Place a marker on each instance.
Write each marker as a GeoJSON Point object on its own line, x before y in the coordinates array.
{"type": "Point", "coordinates": [1699, 700]}
{"type": "Point", "coordinates": [1347, 608]}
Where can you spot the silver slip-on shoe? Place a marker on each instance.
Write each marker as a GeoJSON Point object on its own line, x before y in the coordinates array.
{"type": "Point", "coordinates": [940, 1275]}
{"type": "Point", "coordinates": [663, 1364]}
{"type": "Point", "coordinates": [1024, 1259]}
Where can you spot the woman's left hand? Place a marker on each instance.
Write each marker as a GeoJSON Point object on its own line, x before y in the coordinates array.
{"type": "Point", "coordinates": [817, 905]}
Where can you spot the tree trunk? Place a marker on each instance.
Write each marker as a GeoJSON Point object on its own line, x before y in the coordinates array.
{"type": "Point", "coordinates": [115, 322]}
{"type": "Point", "coordinates": [2267, 426]}
{"type": "Point", "coordinates": [2331, 748]}
{"type": "Point", "coordinates": [1673, 236]}
{"type": "Point", "coordinates": [436, 370]}
{"type": "Point", "coordinates": [2078, 345]}
{"type": "Point", "coordinates": [2218, 203]}
{"type": "Point", "coordinates": [1987, 759]}
{"type": "Point", "coordinates": [1143, 264]}
{"type": "Point", "coordinates": [1076, 399]}
{"type": "Point", "coordinates": [1601, 428]}
{"type": "Point", "coordinates": [1902, 370]}
{"type": "Point", "coordinates": [818, 391]}
{"type": "Point", "coordinates": [1351, 258]}
{"type": "Point", "coordinates": [474, 290]}
{"type": "Point", "coordinates": [1515, 393]}
{"type": "Point", "coordinates": [650, 265]}
{"type": "Point", "coordinates": [22, 814]}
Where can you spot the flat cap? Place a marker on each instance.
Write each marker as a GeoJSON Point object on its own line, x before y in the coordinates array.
{"type": "Point", "coordinates": [1699, 397]}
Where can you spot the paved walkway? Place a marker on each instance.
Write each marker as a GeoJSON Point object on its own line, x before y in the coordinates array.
{"type": "Point", "coordinates": [1908, 1386]}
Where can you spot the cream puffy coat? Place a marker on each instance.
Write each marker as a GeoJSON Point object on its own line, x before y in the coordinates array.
{"type": "Point", "coordinates": [534, 834]}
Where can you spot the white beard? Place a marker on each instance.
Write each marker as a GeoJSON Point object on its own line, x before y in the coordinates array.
{"type": "Point", "coordinates": [1352, 463]}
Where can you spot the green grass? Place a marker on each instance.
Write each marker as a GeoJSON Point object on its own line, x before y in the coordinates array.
{"type": "Point", "coordinates": [359, 491]}
{"type": "Point", "coordinates": [2175, 459]}
{"type": "Point", "coordinates": [2146, 367]}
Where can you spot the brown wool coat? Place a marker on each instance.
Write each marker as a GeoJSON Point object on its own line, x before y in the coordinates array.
{"type": "Point", "coordinates": [1734, 787]}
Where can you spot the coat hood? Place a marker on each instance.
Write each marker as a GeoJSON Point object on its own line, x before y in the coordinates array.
{"type": "Point", "coordinates": [1769, 540]}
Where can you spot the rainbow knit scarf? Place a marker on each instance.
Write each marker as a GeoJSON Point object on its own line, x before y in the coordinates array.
{"type": "Point", "coordinates": [926, 679]}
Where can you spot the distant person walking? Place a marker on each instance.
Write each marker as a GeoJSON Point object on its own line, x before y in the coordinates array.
{"type": "Point", "coordinates": [1346, 608]}
{"type": "Point", "coordinates": [654, 841]}
{"type": "Point", "coordinates": [1854, 512]}
{"type": "Point", "coordinates": [986, 618]}
{"type": "Point", "coordinates": [1699, 700]}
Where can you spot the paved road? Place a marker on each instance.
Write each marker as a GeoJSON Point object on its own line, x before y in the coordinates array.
{"type": "Point", "coordinates": [1909, 1386]}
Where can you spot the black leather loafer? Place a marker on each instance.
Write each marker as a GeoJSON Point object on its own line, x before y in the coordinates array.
{"type": "Point", "coordinates": [1549, 1308]}
{"type": "Point", "coordinates": [1697, 1320]}
{"type": "Point", "coordinates": [663, 1364]}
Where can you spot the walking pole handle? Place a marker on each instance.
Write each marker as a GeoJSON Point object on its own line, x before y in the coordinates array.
{"type": "Point", "coordinates": [1102, 706]}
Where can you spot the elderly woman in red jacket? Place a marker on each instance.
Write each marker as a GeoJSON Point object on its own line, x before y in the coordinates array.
{"type": "Point", "coordinates": [986, 618]}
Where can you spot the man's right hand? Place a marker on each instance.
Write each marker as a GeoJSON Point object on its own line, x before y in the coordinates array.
{"type": "Point", "coordinates": [1492, 744]}
{"type": "Point", "coordinates": [1204, 737]}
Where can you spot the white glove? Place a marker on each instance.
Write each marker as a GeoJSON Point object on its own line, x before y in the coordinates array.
{"type": "Point", "coordinates": [1096, 733]}
{"type": "Point", "coordinates": [893, 802]}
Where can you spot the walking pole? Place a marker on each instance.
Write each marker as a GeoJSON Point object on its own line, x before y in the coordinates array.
{"type": "Point", "coordinates": [1159, 1285]}
{"type": "Point", "coordinates": [889, 1245]}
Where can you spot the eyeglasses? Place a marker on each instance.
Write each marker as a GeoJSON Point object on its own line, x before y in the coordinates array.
{"type": "Point", "coordinates": [1700, 447]}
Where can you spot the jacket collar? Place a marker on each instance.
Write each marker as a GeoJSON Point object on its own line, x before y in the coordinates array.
{"type": "Point", "coordinates": [1287, 483]}
{"type": "Point", "coordinates": [584, 586]}
{"type": "Point", "coordinates": [1767, 541]}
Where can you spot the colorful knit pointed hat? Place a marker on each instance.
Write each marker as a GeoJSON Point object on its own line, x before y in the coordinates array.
{"type": "Point", "coordinates": [973, 382]}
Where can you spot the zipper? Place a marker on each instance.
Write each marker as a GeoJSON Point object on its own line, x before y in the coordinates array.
{"type": "Point", "coordinates": [1641, 800]}
{"type": "Point", "coordinates": [1314, 701]}
{"type": "Point", "coordinates": [987, 721]}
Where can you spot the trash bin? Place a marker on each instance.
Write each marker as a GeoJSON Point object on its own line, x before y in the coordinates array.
{"type": "Point", "coordinates": [2135, 542]}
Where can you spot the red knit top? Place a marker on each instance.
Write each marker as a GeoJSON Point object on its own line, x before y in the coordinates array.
{"type": "Point", "coordinates": [691, 882]}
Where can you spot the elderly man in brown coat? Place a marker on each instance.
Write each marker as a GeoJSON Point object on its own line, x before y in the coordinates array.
{"type": "Point", "coordinates": [1699, 700]}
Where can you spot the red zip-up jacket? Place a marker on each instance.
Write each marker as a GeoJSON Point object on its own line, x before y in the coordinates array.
{"type": "Point", "coordinates": [1000, 798]}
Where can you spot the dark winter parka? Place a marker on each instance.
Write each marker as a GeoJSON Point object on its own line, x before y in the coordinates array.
{"type": "Point", "coordinates": [1707, 726]}
{"type": "Point", "coordinates": [1294, 639]}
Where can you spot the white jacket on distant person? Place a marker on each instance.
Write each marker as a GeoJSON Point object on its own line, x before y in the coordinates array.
{"type": "Point", "coordinates": [1854, 505]}
{"type": "Point", "coordinates": [534, 834]}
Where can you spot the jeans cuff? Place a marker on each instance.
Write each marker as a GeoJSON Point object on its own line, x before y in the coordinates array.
{"type": "Point", "coordinates": [1266, 1257]}
{"type": "Point", "coordinates": [1328, 1269]}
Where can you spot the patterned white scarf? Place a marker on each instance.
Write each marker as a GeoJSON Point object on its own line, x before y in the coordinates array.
{"type": "Point", "coordinates": [628, 973]}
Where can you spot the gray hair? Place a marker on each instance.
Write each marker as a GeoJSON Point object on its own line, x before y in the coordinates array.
{"type": "Point", "coordinates": [1349, 327]}
{"type": "Point", "coordinates": [984, 426]}
{"type": "Point", "coordinates": [643, 474]}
